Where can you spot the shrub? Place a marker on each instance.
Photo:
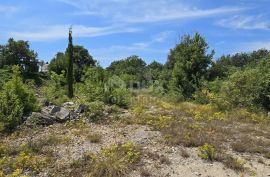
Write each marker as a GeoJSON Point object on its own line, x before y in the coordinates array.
{"type": "Point", "coordinates": [16, 99]}
{"type": "Point", "coordinates": [54, 90]}
{"type": "Point", "coordinates": [96, 110]}
{"type": "Point", "coordinates": [207, 152]}
{"type": "Point", "coordinates": [94, 137]}
{"type": "Point", "coordinates": [115, 161]}
{"type": "Point", "coordinates": [11, 111]}
{"type": "Point", "coordinates": [24, 94]}
{"type": "Point", "coordinates": [116, 92]}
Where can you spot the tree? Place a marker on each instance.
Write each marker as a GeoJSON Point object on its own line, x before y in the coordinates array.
{"type": "Point", "coordinates": [189, 62]}
{"type": "Point", "coordinates": [153, 71]}
{"type": "Point", "coordinates": [19, 53]}
{"type": "Point", "coordinates": [58, 63]}
{"type": "Point", "coordinates": [226, 65]}
{"type": "Point", "coordinates": [129, 69]}
{"type": "Point", "coordinates": [17, 99]}
{"type": "Point", "coordinates": [70, 65]}
{"type": "Point", "coordinates": [82, 59]}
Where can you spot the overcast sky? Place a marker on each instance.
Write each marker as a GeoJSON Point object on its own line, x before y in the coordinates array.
{"type": "Point", "coordinates": [116, 29]}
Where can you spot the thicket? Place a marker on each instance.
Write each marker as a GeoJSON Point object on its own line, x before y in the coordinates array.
{"type": "Point", "coordinates": [17, 99]}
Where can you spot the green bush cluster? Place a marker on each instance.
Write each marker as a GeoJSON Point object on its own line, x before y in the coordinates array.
{"type": "Point", "coordinates": [17, 99]}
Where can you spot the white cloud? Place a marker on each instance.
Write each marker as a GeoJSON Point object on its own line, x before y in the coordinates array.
{"type": "Point", "coordinates": [61, 31]}
{"type": "Point", "coordinates": [250, 46]}
{"type": "Point", "coordinates": [138, 11]}
{"type": "Point", "coordinates": [161, 37]}
{"type": "Point", "coordinates": [245, 22]}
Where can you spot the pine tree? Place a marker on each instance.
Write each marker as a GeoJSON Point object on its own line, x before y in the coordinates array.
{"type": "Point", "coordinates": [70, 65]}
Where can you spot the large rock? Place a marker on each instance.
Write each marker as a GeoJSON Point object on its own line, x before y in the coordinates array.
{"type": "Point", "coordinates": [63, 114]}
{"type": "Point", "coordinates": [38, 118]}
{"type": "Point", "coordinates": [55, 109]}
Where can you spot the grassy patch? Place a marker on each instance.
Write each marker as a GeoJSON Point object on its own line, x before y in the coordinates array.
{"type": "Point", "coordinates": [114, 161]}
{"type": "Point", "coordinates": [94, 137]}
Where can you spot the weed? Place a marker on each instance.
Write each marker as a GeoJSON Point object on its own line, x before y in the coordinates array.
{"type": "Point", "coordinates": [207, 152]}
{"type": "Point", "coordinates": [184, 153]}
{"type": "Point", "coordinates": [94, 137]}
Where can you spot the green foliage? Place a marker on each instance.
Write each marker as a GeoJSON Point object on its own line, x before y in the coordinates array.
{"type": "Point", "coordinates": [133, 66]}
{"type": "Point", "coordinates": [11, 111]}
{"type": "Point", "coordinates": [82, 59]}
{"type": "Point", "coordinates": [22, 91]}
{"type": "Point", "coordinates": [58, 63]}
{"type": "Point", "coordinates": [54, 89]}
{"type": "Point", "coordinates": [16, 99]}
{"type": "Point", "coordinates": [153, 71]}
{"type": "Point", "coordinates": [70, 77]}
{"type": "Point", "coordinates": [115, 161]}
{"type": "Point", "coordinates": [96, 110]}
{"type": "Point", "coordinates": [189, 62]}
{"type": "Point", "coordinates": [19, 53]}
{"type": "Point", "coordinates": [116, 92]}
{"type": "Point", "coordinates": [249, 88]}
{"type": "Point", "coordinates": [5, 75]}
{"type": "Point", "coordinates": [207, 152]}
{"type": "Point", "coordinates": [93, 87]}
{"type": "Point", "coordinates": [223, 67]}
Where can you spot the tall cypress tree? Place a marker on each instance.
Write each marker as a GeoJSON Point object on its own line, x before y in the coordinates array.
{"type": "Point", "coordinates": [70, 65]}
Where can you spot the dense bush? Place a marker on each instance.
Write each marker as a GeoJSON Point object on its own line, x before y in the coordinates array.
{"type": "Point", "coordinates": [54, 89]}
{"type": "Point", "coordinates": [116, 92]}
{"type": "Point", "coordinates": [22, 91]}
{"type": "Point", "coordinates": [82, 59]}
{"type": "Point", "coordinates": [249, 88]}
{"type": "Point", "coordinates": [16, 99]}
{"type": "Point", "coordinates": [11, 111]}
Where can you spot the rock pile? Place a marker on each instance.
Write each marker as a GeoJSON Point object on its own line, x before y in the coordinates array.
{"type": "Point", "coordinates": [51, 114]}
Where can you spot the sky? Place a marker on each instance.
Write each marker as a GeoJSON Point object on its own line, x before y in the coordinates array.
{"type": "Point", "coordinates": [115, 29]}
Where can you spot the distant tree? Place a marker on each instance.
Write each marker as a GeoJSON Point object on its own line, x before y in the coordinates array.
{"type": "Point", "coordinates": [226, 65]}
{"type": "Point", "coordinates": [82, 59]}
{"type": "Point", "coordinates": [19, 53]}
{"type": "Point", "coordinates": [189, 62]}
{"type": "Point", "coordinates": [70, 65]}
{"type": "Point", "coordinates": [58, 63]}
{"type": "Point", "coordinates": [153, 71]}
{"type": "Point", "coordinates": [129, 69]}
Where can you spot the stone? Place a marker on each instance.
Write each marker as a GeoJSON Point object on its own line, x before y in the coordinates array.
{"type": "Point", "coordinates": [38, 118]}
{"type": "Point", "coordinates": [46, 103]}
{"type": "Point", "coordinates": [268, 115]}
{"type": "Point", "coordinates": [73, 115]}
{"type": "Point", "coordinates": [67, 104]}
{"type": "Point", "coordinates": [55, 109]}
{"type": "Point", "coordinates": [81, 109]}
{"type": "Point", "coordinates": [63, 114]}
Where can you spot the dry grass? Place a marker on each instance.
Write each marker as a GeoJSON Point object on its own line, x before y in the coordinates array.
{"type": "Point", "coordinates": [184, 153]}
{"type": "Point", "coordinates": [94, 137]}
{"type": "Point", "coordinates": [114, 161]}
{"type": "Point", "coordinates": [145, 173]}
{"type": "Point", "coordinates": [193, 125]}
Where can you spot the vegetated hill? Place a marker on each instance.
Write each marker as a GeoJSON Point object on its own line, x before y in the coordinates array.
{"type": "Point", "coordinates": [191, 116]}
{"type": "Point", "coordinates": [154, 137]}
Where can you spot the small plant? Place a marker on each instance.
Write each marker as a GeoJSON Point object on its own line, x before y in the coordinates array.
{"type": "Point", "coordinates": [96, 110]}
{"type": "Point", "coordinates": [145, 173]}
{"type": "Point", "coordinates": [94, 137]}
{"type": "Point", "coordinates": [184, 153]}
{"type": "Point", "coordinates": [207, 152]}
{"type": "Point", "coordinates": [114, 161]}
